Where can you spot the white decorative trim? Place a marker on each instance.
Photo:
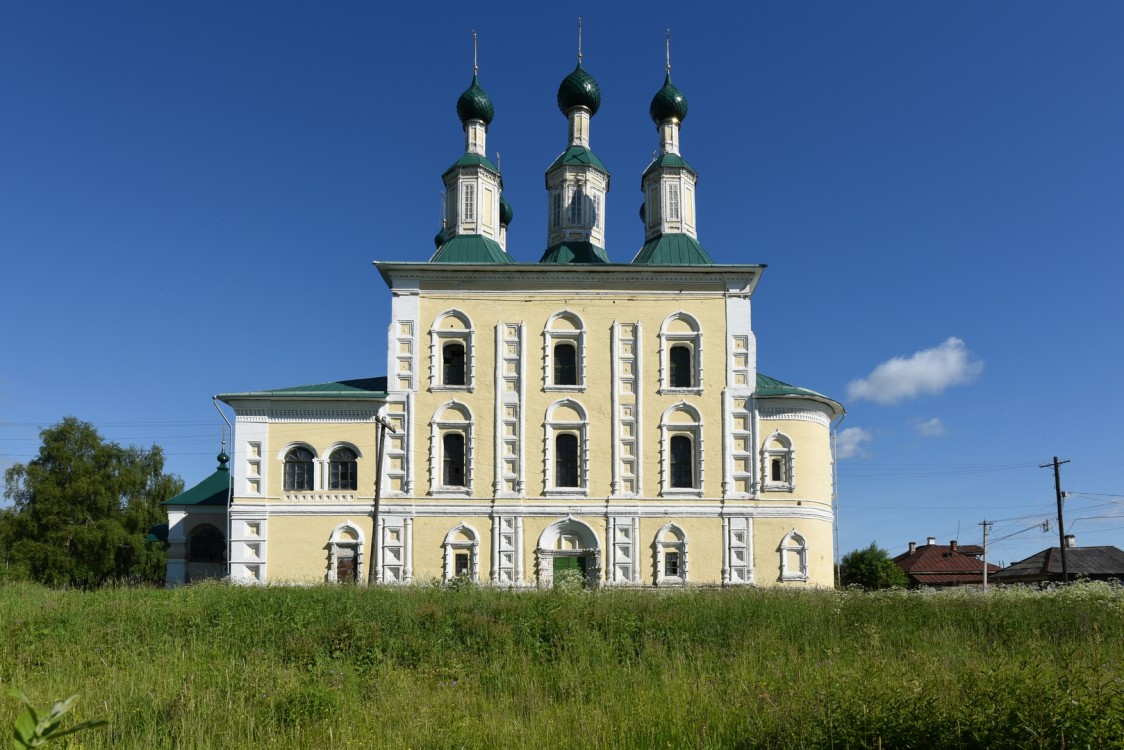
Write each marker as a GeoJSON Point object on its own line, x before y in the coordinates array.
{"type": "Point", "coordinates": [438, 428]}
{"type": "Point", "coordinates": [510, 371]}
{"type": "Point", "coordinates": [551, 338]}
{"type": "Point", "coordinates": [817, 413]}
{"type": "Point", "coordinates": [694, 341]}
{"type": "Point", "coordinates": [334, 545]}
{"type": "Point", "coordinates": [786, 455]}
{"type": "Point", "coordinates": [662, 546]}
{"type": "Point", "coordinates": [553, 428]}
{"type": "Point", "coordinates": [794, 544]}
{"type": "Point", "coordinates": [626, 394]}
{"type": "Point", "coordinates": [587, 545]}
{"type": "Point", "coordinates": [692, 430]}
{"type": "Point", "coordinates": [624, 533]}
{"type": "Point", "coordinates": [438, 338]}
{"type": "Point", "coordinates": [452, 546]}
{"type": "Point", "coordinates": [737, 550]}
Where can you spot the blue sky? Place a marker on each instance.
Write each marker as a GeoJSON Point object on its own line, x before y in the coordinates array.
{"type": "Point", "coordinates": [937, 189]}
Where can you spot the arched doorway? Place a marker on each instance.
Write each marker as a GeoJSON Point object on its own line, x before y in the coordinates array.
{"type": "Point", "coordinates": [568, 547]}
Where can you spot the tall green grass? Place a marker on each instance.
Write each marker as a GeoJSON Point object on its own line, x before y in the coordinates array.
{"type": "Point", "coordinates": [336, 667]}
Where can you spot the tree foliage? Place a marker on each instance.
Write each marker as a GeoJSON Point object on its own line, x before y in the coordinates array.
{"type": "Point", "coordinates": [872, 569]}
{"type": "Point", "coordinates": [82, 508]}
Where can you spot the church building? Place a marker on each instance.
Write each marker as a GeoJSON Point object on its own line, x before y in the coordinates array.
{"type": "Point", "coordinates": [573, 415]}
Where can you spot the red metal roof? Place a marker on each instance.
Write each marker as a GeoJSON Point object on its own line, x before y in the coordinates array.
{"type": "Point", "coordinates": [942, 565]}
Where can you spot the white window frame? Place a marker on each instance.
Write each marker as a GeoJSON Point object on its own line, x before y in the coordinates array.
{"type": "Point", "coordinates": [673, 201]}
{"type": "Point", "coordinates": [787, 455]}
{"type": "Point", "coordinates": [553, 428]}
{"type": "Point", "coordinates": [438, 428]}
{"type": "Point", "coordinates": [692, 429]}
{"type": "Point", "coordinates": [469, 203]}
{"type": "Point", "coordinates": [693, 339]}
{"type": "Point", "coordinates": [553, 337]}
{"type": "Point", "coordinates": [326, 465]}
{"type": "Point", "coordinates": [794, 542]}
{"type": "Point", "coordinates": [555, 208]}
{"type": "Point", "coordinates": [438, 338]}
{"type": "Point", "coordinates": [334, 545]}
{"type": "Point", "coordinates": [452, 546]}
{"type": "Point", "coordinates": [317, 466]}
{"type": "Point", "coordinates": [664, 545]}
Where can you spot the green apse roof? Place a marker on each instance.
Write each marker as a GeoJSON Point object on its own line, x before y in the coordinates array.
{"type": "Point", "coordinates": [669, 160]}
{"type": "Point", "coordinates": [470, 248]}
{"type": "Point", "coordinates": [363, 388]}
{"type": "Point", "coordinates": [214, 490]}
{"type": "Point", "coordinates": [767, 386]}
{"type": "Point", "coordinates": [472, 160]}
{"type": "Point", "coordinates": [578, 156]}
{"type": "Point", "coordinates": [672, 250]}
{"type": "Point", "coordinates": [575, 252]}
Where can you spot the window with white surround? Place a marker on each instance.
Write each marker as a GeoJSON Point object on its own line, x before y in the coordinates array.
{"type": "Point", "coordinates": [450, 450]}
{"type": "Point", "coordinates": [556, 208]}
{"type": "Point", "coordinates": [566, 468]}
{"type": "Point", "coordinates": [671, 556]}
{"type": "Point", "coordinates": [681, 355]}
{"type": "Point", "coordinates": [451, 360]}
{"type": "Point", "coordinates": [462, 559]}
{"type": "Point", "coordinates": [681, 451]}
{"type": "Point", "coordinates": [564, 353]}
{"type": "Point", "coordinates": [469, 201]}
{"type": "Point", "coordinates": [577, 199]}
{"type": "Point", "coordinates": [778, 463]}
{"type": "Point", "coordinates": [300, 469]}
{"type": "Point", "coordinates": [345, 554]}
{"type": "Point", "coordinates": [673, 202]}
{"type": "Point", "coordinates": [794, 557]}
{"type": "Point", "coordinates": [343, 472]}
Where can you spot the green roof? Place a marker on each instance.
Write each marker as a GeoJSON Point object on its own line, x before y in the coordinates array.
{"type": "Point", "coordinates": [214, 490]}
{"type": "Point", "coordinates": [672, 250]}
{"type": "Point", "coordinates": [363, 388]}
{"type": "Point", "coordinates": [767, 386]}
{"type": "Point", "coordinates": [472, 160]}
{"type": "Point", "coordinates": [669, 160]}
{"type": "Point", "coordinates": [578, 156]}
{"type": "Point", "coordinates": [575, 252]}
{"type": "Point", "coordinates": [470, 248]}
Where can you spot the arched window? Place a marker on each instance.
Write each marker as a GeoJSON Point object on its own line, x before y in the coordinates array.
{"type": "Point", "coordinates": [462, 560]}
{"type": "Point", "coordinates": [564, 352]}
{"type": "Point", "coordinates": [299, 469]}
{"type": "Point", "coordinates": [452, 364]}
{"type": "Point", "coordinates": [565, 364]}
{"type": "Point", "coordinates": [206, 545]}
{"type": "Point", "coordinates": [681, 369]}
{"type": "Point", "coordinates": [681, 354]}
{"type": "Point", "coordinates": [794, 557]}
{"type": "Point", "coordinates": [452, 459]}
{"type": "Point", "coordinates": [566, 460]}
{"type": "Point", "coordinates": [681, 450]}
{"type": "Point", "coordinates": [671, 555]}
{"type": "Point", "coordinates": [342, 470]}
{"type": "Point", "coordinates": [778, 459]}
{"type": "Point", "coordinates": [682, 462]}
{"type": "Point", "coordinates": [345, 554]}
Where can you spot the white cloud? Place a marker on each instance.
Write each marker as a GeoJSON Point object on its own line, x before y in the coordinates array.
{"type": "Point", "coordinates": [929, 371]}
{"type": "Point", "coordinates": [930, 428]}
{"type": "Point", "coordinates": [850, 443]}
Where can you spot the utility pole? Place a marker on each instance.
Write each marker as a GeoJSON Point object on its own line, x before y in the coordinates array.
{"type": "Point", "coordinates": [373, 566]}
{"type": "Point", "coordinates": [1061, 524]}
{"type": "Point", "coordinates": [986, 527]}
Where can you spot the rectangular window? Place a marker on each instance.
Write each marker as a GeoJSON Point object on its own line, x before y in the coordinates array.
{"type": "Point", "coordinates": [556, 209]}
{"type": "Point", "coordinates": [566, 461]}
{"type": "Point", "coordinates": [452, 464]}
{"type": "Point", "coordinates": [452, 364]}
{"type": "Point", "coordinates": [682, 463]}
{"type": "Point", "coordinates": [596, 211]}
{"type": "Point", "coordinates": [576, 201]}
{"type": "Point", "coordinates": [461, 564]}
{"type": "Point", "coordinates": [671, 564]}
{"type": "Point", "coordinates": [565, 365]}
{"type": "Point", "coordinates": [777, 470]}
{"type": "Point", "coordinates": [469, 202]}
{"type": "Point", "coordinates": [673, 202]}
{"type": "Point", "coordinates": [679, 366]}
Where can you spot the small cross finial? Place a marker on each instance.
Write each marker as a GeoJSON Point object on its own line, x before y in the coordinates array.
{"type": "Point", "coordinates": [579, 40]}
{"type": "Point", "coordinates": [499, 162]}
{"type": "Point", "coordinates": [667, 50]}
{"type": "Point", "coordinates": [444, 197]}
{"type": "Point", "coordinates": [475, 68]}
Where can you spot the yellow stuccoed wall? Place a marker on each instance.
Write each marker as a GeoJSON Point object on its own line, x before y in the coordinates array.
{"type": "Point", "coordinates": [298, 546]}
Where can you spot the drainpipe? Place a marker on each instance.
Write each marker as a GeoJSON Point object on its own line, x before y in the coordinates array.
{"type": "Point", "coordinates": [229, 485]}
{"type": "Point", "coordinates": [835, 492]}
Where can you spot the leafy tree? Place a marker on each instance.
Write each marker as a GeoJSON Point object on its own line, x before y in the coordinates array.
{"type": "Point", "coordinates": [872, 569]}
{"type": "Point", "coordinates": [82, 507]}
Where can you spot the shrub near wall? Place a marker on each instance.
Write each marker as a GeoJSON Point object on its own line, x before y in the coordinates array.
{"type": "Point", "coordinates": [218, 666]}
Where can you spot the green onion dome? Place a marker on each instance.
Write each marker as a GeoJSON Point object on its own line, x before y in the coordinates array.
{"type": "Point", "coordinates": [440, 238]}
{"type": "Point", "coordinates": [506, 212]}
{"type": "Point", "coordinates": [579, 89]}
{"type": "Point", "coordinates": [475, 104]}
{"type": "Point", "coordinates": [668, 103]}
